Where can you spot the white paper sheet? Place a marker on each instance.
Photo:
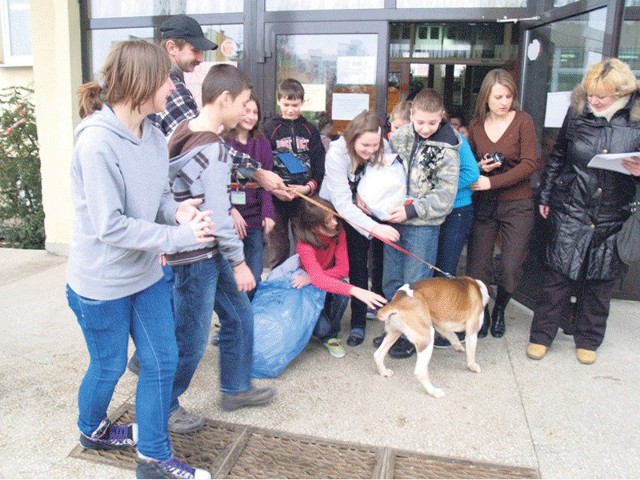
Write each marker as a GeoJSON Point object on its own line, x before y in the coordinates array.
{"type": "Point", "coordinates": [345, 106]}
{"type": "Point", "coordinates": [315, 97]}
{"type": "Point", "coordinates": [356, 70]}
{"type": "Point", "coordinates": [611, 161]}
{"type": "Point", "coordinates": [556, 110]}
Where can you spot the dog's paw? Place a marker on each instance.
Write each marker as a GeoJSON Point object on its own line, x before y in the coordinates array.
{"type": "Point", "coordinates": [436, 392]}
{"type": "Point", "coordinates": [459, 347]}
{"type": "Point", "coordinates": [387, 372]}
{"type": "Point", "coordinates": [474, 367]}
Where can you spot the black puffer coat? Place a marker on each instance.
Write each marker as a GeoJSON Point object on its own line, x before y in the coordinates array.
{"type": "Point", "coordinates": [589, 205]}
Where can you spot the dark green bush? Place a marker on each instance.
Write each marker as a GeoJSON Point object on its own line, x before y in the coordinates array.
{"type": "Point", "coordinates": [21, 213]}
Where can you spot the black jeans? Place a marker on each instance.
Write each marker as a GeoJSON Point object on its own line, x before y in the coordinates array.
{"type": "Point", "coordinates": [358, 251]}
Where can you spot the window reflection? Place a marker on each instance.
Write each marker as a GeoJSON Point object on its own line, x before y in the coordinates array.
{"type": "Point", "coordinates": [461, 4]}
{"type": "Point", "coordinates": [569, 46]}
{"type": "Point", "coordinates": [229, 39]}
{"type": "Point", "coordinates": [630, 45]}
{"type": "Point", "coordinates": [128, 8]}
{"type": "Point", "coordinates": [450, 40]}
{"type": "Point", "coordinates": [283, 5]}
{"type": "Point", "coordinates": [330, 64]}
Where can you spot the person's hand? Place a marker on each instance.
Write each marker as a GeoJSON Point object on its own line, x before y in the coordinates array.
{"type": "Point", "coordinates": [303, 189]}
{"type": "Point", "coordinates": [268, 224]}
{"type": "Point", "coordinates": [285, 195]}
{"type": "Point", "coordinates": [269, 180]}
{"type": "Point", "coordinates": [300, 281]}
{"type": "Point", "coordinates": [239, 223]}
{"type": "Point", "coordinates": [387, 232]}
{"type": "Point", "coordinates": [487, 165]}
{"type": "Point", "coordinates": [187, 210]}
{"type": "Point", "coordinates": [544, 211]}
{"type": "Point", "coordinates": [483, 183]}
{"type": "Point", "coordinates": [362, 206]}
{"type": "Point", "coordinates": [632, 164]}
{"type": "Point", "coordinates": [373, 300]}
{"type": "Point", "coordinates": [244, 278]}
{"type": "Point", "coordinates": [397, 215]}
{"type": "Point", "coordinates": [202, 227]}
{"type": "Point", "coordinates": [163, 260]}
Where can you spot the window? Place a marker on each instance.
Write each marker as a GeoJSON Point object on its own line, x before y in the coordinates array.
{"type": "Point", "coordinates": [284, 5]}
{"type": "Point", "coordinates": [16, 32]}
{"type": "Point", "coordinates": [143, 8]}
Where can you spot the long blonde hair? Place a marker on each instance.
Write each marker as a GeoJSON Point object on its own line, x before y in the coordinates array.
{"type": "Point", "coordinates": [133, 72]}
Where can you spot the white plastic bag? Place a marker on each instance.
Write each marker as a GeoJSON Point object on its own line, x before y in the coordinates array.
{"type": "Point", "coordinates": [383, 187]}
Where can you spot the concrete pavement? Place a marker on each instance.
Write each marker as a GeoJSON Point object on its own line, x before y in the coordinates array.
{"type": "Point", "coordinates": [565, 419]}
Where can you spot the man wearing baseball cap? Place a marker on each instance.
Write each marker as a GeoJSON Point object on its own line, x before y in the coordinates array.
{"type": "Point", "coordinates": [184, 41]}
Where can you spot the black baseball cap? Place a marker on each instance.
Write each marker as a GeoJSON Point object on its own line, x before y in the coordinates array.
{"type": "Point", "coordinates": [186, 28]}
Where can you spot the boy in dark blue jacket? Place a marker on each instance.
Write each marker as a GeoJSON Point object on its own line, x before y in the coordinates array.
{"type": "Point", "coordinates": [291, 132]}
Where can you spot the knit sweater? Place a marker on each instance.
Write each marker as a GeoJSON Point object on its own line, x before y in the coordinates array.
{"type": "Point", "coordinates": [519, 146]}
{"type": "Point", "coordinates": [259, 202]}
{"type": "Point", "coordinates": [202, 166]}
{"type": "Point", "coordinates": [326, 268]}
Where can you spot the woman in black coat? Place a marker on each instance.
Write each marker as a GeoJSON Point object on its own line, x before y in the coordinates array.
{"type": "Point", "coordinates": [586, 207]}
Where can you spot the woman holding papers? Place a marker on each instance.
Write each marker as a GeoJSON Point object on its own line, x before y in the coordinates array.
{"type": "Point", "coordinates": [586, 207]}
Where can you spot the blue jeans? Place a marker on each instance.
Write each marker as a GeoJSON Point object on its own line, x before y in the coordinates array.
{"type": "Point", "coordinates": [253, 252]}
{"type": "Point", "coordinates": [106, 326]}
{"type": "Point", "coordinates": [167, 273]}
{"type": "Point", "coordinates": [399, 268]}
{"type": "Point", "coordinates": [453, 235]}
{"type": "Point", "coordinates": [328, 325]}
{"type": "Point", "coordinates": [200, 288]}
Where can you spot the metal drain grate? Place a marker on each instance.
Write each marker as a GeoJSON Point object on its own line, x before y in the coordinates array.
{"type": "Point", "coordinates": [239, 451]}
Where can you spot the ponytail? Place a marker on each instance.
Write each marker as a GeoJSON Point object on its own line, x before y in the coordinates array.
{"type": "Point", "coordinates": [89, 99]}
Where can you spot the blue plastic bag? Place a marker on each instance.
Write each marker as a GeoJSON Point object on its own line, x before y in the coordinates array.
{"type": "Point", "coordinates": [284, 319]}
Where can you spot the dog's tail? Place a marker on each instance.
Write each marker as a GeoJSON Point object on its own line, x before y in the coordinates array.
{"type": "Point", "coordinates": [401, 297]}
{"type": "Point", "coordinates": [484, 291]}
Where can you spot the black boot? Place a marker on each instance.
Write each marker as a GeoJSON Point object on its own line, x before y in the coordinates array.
{"type": "Point", "coordinates": [484, 329]}
{"type": "Point", "coordinates": [497, 317]}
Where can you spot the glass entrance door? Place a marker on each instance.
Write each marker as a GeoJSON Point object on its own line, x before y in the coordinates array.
{"type": "Point", "coordinates": [342, 67]}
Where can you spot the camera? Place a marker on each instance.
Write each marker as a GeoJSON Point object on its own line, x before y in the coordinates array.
{"type": "Point", "coordinates": [498, 159]}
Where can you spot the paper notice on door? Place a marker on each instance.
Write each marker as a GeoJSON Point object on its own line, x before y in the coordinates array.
{"type": "Point", "coordinates": [611, 161]}
{"type": "Point", "coordinates": [315, 97]}
{"type": "Point", "coordinates": [556, 110]}
{"type": "Point", "coordinates": [345, 106]}
{"type": "Point", "coordinates": [356, 70]}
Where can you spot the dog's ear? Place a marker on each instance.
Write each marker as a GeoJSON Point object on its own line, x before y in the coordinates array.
{"type": "Point", "coordinates": [385, 312]}
{"type": "Point", "coordinates": [399, 295]}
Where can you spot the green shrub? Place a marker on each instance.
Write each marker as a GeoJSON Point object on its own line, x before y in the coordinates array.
{"type": "Point", "coordinates": [21, 213]}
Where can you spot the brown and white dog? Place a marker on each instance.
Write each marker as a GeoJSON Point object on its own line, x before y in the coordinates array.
{"type": "Point", "coordinates": [447, 305]}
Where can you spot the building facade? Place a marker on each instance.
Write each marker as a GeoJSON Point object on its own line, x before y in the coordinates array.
{"type": "Point", "coordinates": [349, 55]}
